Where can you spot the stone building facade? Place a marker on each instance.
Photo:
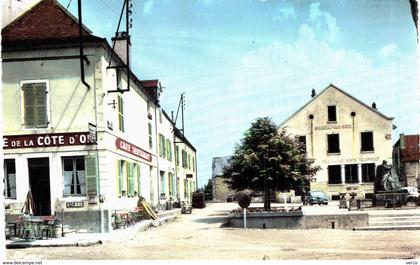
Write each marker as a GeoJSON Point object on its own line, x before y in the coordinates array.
{"type": "Point", "coordinates": [220, 189]}
{"type": "Point", "coordinates": [406, 157]}
{"type": "Point", "coordinates": [347, 139]}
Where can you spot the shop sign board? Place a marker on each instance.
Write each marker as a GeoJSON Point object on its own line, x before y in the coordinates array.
{"type": "Point", "coordinates": [132, 149]}
{"type": "Point", "coordinates": [45, 140]}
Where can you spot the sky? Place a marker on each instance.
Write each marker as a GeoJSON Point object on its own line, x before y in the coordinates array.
{"type": "Point", "coordinates": [237, 60]}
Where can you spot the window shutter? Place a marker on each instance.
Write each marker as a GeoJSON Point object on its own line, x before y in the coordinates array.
{"type": "Point", "coordinates": [91, 176]}
{"type": "Point", "coordinates": [132, 178]}
{"type": "Point", "coordinates": [118, 176]}
{"type": "Point", "coordinates": [40, 90]}
{"type": "Point", "coordinates": [29, 101]}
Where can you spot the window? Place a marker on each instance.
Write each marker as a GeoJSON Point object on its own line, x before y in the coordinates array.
{"type": "Point", "coordinates": [301, 140]}
{"type": "Point", "coordinates": [193, 164]}
{"type": "Point", "coordinates": [9, 179]}
{"type": "Point", "coordinates": [334, 174]}
{"type": "Point", "coordinates": [168, 150]}
{"type": "Point", "coordinates": [351, 173]}
{"type": "Point", "coordinates": [367, 141]}
{"type": "Point", "coordinates": [35, 109]}
{"type": "Point", "coordinates": [74, 176]}
{"type": "Point", "coordinates": [333, 143]}
{"type": "Point", "coordinates": [121, 178]}
{"type": "Point", "coordinates": [332, 114]}
{"type": "Point", "coordinates": [171, 184]}
{"type": "Point", "coordinates": [189, 161]}
{"type": "Point", "coordinates": [163, 185]}
{"type": "Point", "coordinates": [120, 113]}
{"type": "Point", "coordinates": [177, 155]}
{"type": "Point", "coordinates": [130, 179]}
{"type": "Point", "coordinates": [162, 146]}
{"type": "Point", "coordinates": [368, 172]}
{"type": "Point", "coordinates": [184, 159]}
{"type": "Point", "coordinates": [150, 135]}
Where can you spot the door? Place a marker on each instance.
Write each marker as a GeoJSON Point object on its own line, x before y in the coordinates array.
{"type": "Point", "coordinates": [39, 183]}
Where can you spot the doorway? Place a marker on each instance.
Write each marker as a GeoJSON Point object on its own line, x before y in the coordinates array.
{"type": "Point", "coordinates": [39, 183]}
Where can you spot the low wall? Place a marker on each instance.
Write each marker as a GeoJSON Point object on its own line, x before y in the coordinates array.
{"type": "Point", "coordinates": [296, 220]}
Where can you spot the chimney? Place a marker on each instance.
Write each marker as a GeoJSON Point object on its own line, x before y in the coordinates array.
{"type": "Point", "coordinates": [313, 93]}
{"type": "Point", "coordinates": [402, 141]}
{"type": "Point", "coordinates": [374, 105]}
{"type": "Point", "coordinates": [119, 42]}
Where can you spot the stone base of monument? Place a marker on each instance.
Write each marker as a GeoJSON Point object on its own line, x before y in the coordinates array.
{"type": "Point", "coordinates": [389, 199]}
{"type": "Point", "coordinates": [343, 201]}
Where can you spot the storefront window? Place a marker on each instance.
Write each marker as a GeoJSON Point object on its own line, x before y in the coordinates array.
{"type": "Point", "coordinates": [9, 179]}
{"type": "Point", "coordinates": [74, 176]}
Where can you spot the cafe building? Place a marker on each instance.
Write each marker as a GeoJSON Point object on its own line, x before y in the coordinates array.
{"type": "Point", "coordinates": [347, 138]}
{"type": "Point", "coordinates": [86, 146]}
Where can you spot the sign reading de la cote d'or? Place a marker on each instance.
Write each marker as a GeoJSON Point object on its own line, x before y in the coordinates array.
{"type": "Point", "coordinates": [45, 140]}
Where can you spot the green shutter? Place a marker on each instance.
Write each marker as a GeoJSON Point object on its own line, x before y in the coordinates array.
{"type": "Point", "coordinates": [138, 179]}
{"type": "Point", "coordinates": [177, 155]}
{"type": "Point", "coordinates": [41, 104]}
{"type": "Point", "coordinates": [91, 176]}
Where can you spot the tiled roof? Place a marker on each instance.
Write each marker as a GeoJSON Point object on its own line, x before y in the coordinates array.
{"type": "Point", "coordinates": [150, 83]}
{"type": "Point", "coordinates": [46, 20]}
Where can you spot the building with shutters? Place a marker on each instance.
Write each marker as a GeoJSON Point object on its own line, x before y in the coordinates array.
{"type": "Point", "coordinates": [345, 137]}
{"type": "Point", "coordinates": [83, 150]}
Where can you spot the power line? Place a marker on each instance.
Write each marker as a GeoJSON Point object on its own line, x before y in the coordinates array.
{"type": "Point", "coordinates": [109, 7]}
{"type": "Point", "coordinates": [68, 4]}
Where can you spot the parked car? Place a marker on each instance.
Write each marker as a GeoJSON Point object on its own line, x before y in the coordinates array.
{"type": "Point", "coordinates": [412, 193]}
{"type": "Point", "coordinates": [317, 197]}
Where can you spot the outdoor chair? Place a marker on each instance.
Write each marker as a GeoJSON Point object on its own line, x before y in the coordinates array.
{"type": "Point", "coordinates": [48, 229]}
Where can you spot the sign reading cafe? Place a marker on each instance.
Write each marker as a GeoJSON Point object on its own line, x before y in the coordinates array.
{"type": "Point", "coordinates": [45, 140]}
{"type": "Point", "coordinates": [132, 149]}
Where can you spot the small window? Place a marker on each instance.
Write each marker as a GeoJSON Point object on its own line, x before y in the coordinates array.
{"type": "Point", "coordinates": [367, 141]}
{"type": "Point", "coordinates": [301, 140]}
{"type": "Point", "coordinates": [351, 173]}
{"type": "Point", "coordinates": [333, 143]}
{"type": "Point", "coordinates": [74, 176]}
{"type": "Point", "coordinates": [368, 172]}
{"type": "Point", "coordinates": [9, 167]}
{"type": "Point", "coordinates": [334, 174]}
{"type": "Point", "coordinates": [332, 114]}
{"type": "Point", "coordinates": [150, 135]}
{"type": "Point", "coordinates": [162, 185]}
{"type": "Point", "coordinates": [121, 114]}
{"type": "Point", "coordinates": [177, 155]}
{"type": "Point", "coordinates": [35, 101]}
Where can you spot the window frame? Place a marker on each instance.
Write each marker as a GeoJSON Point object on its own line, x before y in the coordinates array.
{"type": "Point", "coordinates": [120, 110]}
{"type": "Point", "coordinates": [365, 177]}
{"type": "Point", "coordinates": [349, 171]}
{"type": "Point", "coordinates": [6, 161]}
{"type": "Point", "coordinates": [328, 145]}
{"type": "Point", "coordinates": [335, 114]}
{"type": "Point", "coordinates": [73, 158]}
{"type": "Point", "coordinates": [339, 175]}
{"type": "Point", "coordinates": [361, 142]}
{"type": "Point", "coordinates": [22, 103]}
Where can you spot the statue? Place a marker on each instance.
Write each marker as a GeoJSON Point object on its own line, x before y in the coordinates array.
{"type": "Point", "coordinates": [386, 178]}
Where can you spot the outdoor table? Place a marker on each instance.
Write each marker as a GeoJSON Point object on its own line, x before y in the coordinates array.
{"type": "Point", "coordinates": [31, 225]}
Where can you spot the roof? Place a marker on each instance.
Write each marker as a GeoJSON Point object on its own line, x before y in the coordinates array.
{"type": "Point", "coordinates": [152, 87]}
{"type": "Point", "coordinates": [47, 25]}
{"type": "Point", "coordinates": [411, 151]}
{"type": "Point", "coordinates": [331, 86]}
{"type": "Point", "coordinates": [180, 135]}
{"type": "Point", "coordinates": [45, 20]}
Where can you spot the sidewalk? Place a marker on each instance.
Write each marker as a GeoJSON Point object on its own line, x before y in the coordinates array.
{"type": "Point", "coordinates": [87, 239]}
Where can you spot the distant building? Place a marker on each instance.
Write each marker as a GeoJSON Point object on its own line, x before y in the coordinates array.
{"type": "Point", "coordinates": [406, 157]}
{"type": "Point", "coordinates": [220, 189]}
{"type": "Point", "coordinates": [345, 137]}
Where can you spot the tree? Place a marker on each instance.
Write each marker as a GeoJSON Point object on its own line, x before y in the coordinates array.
{"type": "Point", "coordinates": [268, 159]}
{"type": "Point", "coordinates": [208, 190]}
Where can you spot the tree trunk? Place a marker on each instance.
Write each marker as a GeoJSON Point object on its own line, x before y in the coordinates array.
{"type": "Point", "coordinates": [267, 204]}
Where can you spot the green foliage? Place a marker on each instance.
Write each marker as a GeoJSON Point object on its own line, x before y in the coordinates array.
{"type": "Point", "coordinates": [208, 190]}
{"type": "Point", "coordinates": [268, 159]}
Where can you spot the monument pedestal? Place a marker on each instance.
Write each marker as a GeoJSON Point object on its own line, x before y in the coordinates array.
{"type": "Point", "coordinates": [389, 199]}
{"type": "Point", "coordinates": [343, 202]}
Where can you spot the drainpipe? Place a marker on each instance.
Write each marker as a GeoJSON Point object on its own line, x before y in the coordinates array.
{"type": "Point", "coordinates": [157, 155]}
{"type": "Point", "coordinates": [82, 65]}
{"type": "Point", "coordinates": [101, 228]}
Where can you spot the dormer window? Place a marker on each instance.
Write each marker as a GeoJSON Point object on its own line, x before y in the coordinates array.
{"type": "Point", "coordinates": [332, 114]}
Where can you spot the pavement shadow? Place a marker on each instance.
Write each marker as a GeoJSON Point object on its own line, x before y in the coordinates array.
{"type": "Point", "coordinates": [211, 220]}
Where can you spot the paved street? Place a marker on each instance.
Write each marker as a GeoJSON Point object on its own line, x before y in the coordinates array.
{"type": "Point", "coordinates": [199, 236]}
